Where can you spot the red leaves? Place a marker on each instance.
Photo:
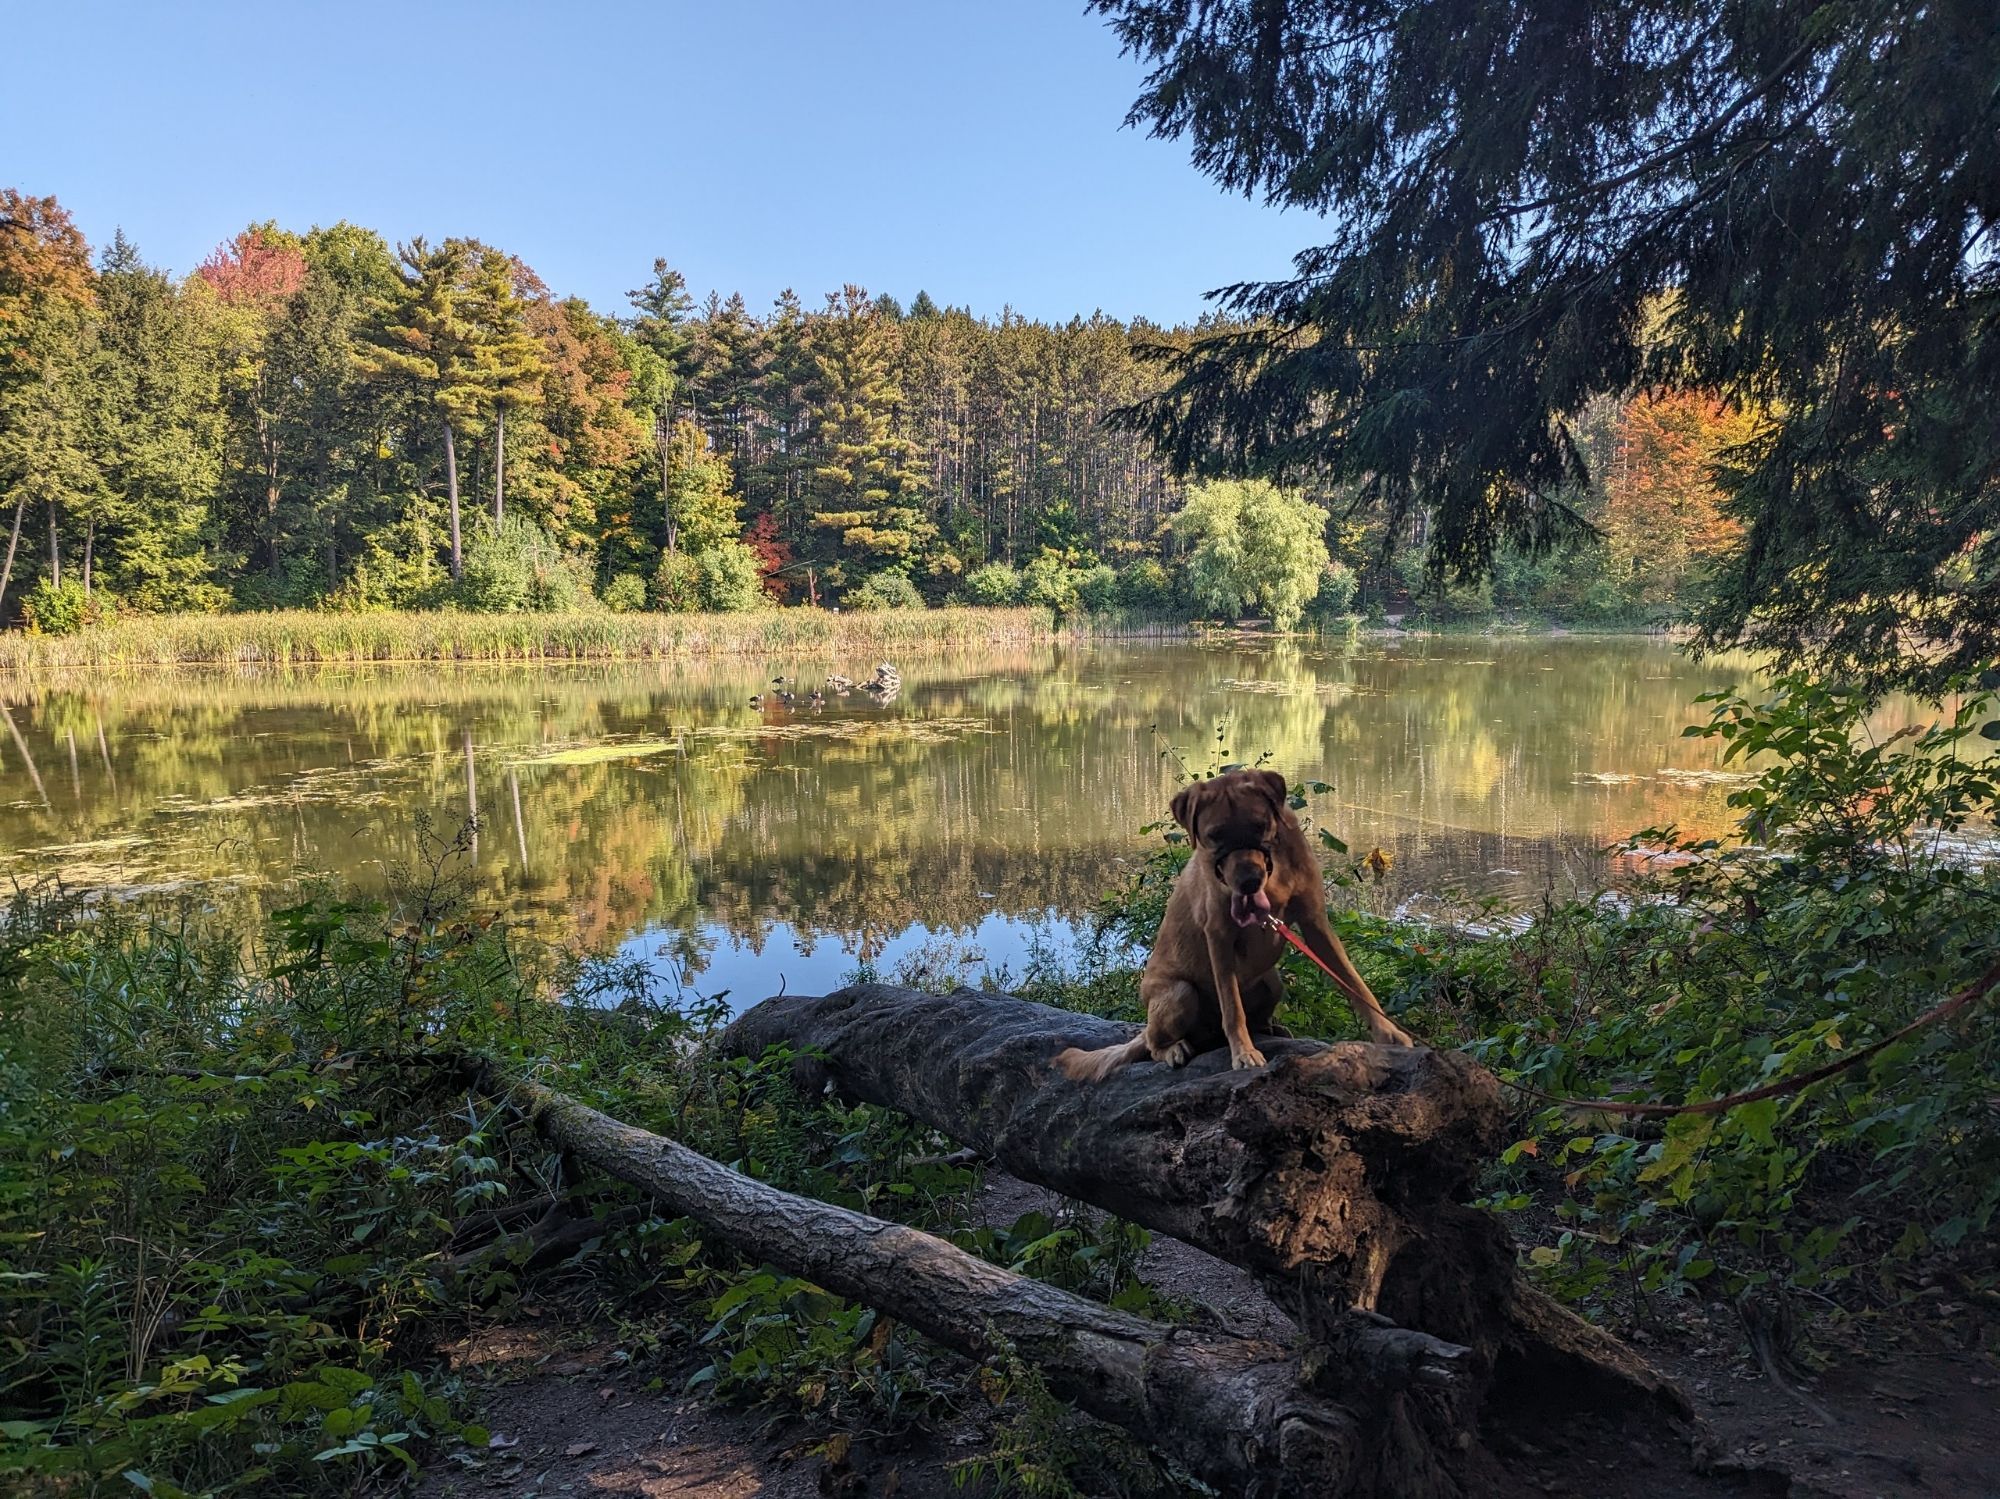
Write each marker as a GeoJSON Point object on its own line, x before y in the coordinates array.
{"type": "Point", "coordinates": [259, 268]}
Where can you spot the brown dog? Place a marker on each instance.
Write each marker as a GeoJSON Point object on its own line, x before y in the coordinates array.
{"type": "Point", "coordinates": [1213, 974]}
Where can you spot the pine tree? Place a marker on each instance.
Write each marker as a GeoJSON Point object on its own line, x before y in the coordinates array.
{"type": "Point", "coordinates": [1512, 188]}
{"type": "Point", "coordinates": [867, 486]}
{"type": "Point", "coordinates": [659, 324]}
{"type": "Point", "coordinates": [507, 359]}
{"type": "Point", "coordinates": [427, 337]}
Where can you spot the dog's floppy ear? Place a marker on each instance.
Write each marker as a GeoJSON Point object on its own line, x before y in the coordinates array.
{"type": "Point", "coordinates": [1186, 806]}
{"type": "Point", "coordinates": [1273, 786]}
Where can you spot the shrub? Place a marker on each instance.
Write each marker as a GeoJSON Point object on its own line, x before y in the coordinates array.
{"type": "Point", "coordinates": [1050, 582]}
{"type": "Point", "coordinates": [516, 567]}
{"type": "Point", "coordinates": [1337, 587]}
{"type": "Point", "coordinates": [885, 590]}
{"type": "Point", "coordinates": [677, 584]}
{"type": "Point", "coordinates": [1146, 584]}
{"type": "Point", "coordinates": [994, 584]}
{"type": "Point", "coordinates": [398, 569]}
{"type": "Point", "coordinates": [51, 609]}
{"type": "Point", "coordinates": [732, 582]}
{"type": "Point", "coordinates": [625, 594]}
{"type": "Point", "coordinates": [1097, 589]}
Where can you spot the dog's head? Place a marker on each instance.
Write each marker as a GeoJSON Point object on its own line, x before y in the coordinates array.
{"type": "Point", "coordinates": [1233, 821]}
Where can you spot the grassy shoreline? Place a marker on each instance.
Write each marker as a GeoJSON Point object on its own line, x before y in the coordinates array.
{"type": "Point", "coordinates": [303, 636]}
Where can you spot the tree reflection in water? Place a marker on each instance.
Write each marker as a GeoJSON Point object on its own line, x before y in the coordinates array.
{"type": "Point", "coordinates": [649, 804]}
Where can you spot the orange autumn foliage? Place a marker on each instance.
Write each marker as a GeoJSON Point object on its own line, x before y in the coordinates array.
{"type": "Point", "coordinates": [1664, 519]}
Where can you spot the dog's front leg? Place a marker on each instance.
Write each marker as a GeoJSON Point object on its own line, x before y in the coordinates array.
{"type": "Point", "coordinates": [1243, 1051]}
{"type": "Point", "coordinates": [1325, 945]}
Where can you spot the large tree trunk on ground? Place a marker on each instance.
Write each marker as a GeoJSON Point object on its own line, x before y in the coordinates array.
{"type": "Point", "coordinates": [1245, 1415]}
{"type": "Point", "coordinates": [1336, 1175]}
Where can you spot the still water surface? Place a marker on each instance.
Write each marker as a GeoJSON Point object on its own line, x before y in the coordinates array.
{"type": "Point", "coordinates": [651, 807]}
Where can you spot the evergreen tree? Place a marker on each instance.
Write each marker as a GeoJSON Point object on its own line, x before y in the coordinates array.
{"type": "Point", "coordinates": [867, 486]}
{"type": "Point", "coordinates": [1516, 187]}
{"type": "Point", "coordinates": [427, 337]}
{"type": "Point", "coordinates": [161, 434]}
{"type": "Point", "coordinates": [659, 325]}
{"type": "Point", "coordinates": [253, 277]}
{"type": "Point", "coordinates": [508, 359]}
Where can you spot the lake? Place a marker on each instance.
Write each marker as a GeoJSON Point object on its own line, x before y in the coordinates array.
{"type": "Point", "coordinates": [650, 807]}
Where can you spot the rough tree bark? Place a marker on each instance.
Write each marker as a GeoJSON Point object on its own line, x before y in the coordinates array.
{"type": "Point", "coordinates": [1336, 1175]}
{"type": "Point", "coordinates": [1245, 1415]}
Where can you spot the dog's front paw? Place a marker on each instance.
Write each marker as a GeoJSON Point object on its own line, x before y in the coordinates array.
{"type": "Point", "coordinates": [1388, 1033]}
{"type": "Point", "coordinates": [1246, 1059]}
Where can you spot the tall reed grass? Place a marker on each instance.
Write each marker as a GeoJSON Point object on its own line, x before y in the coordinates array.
{"type": "Point", "coordinates": [303, 637]}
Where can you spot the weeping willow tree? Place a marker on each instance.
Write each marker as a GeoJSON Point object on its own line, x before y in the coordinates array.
{"type": "Point", "coordinates": [1531, 202]}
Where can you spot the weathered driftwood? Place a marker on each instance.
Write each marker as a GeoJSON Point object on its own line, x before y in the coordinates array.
{"type": "Point", "coordinates": [1336, 1174]}
{"type": "Point", "coordinates": [1242, 1414]}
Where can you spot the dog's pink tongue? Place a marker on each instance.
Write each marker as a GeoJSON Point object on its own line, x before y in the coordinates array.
{"type": "Point", "coordinates": [1248, 910]}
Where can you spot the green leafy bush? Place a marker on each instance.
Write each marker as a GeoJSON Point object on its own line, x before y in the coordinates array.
{"type": "Point", "coordinates": [516, 567]}
{"type": "Point", "coordinates": [1337, 587]}
{"type": "Point", "coordinates": [50, 609]}
{"type": "Point", "coordinates": [995, 585]}
{"type": "Point", "coordinates": [731, 580]}
{"type": "Point", "coordinates": [1050, 582]}
{"type": "Point", "coordinates": [1146, 585]}
{"type": "Point", "coordinates": [677, 584]}
{"type": "Point", "coordinates": [1841, 910]}
{"type": "Point", "coordinates": [625, 594]}
{"type": "Point", "coordinates": [884, 590]}
{"type": "Point", "coordinates": [1097, 589]}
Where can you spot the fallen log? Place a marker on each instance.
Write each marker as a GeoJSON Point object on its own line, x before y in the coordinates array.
{"type": "Point", "coordinates": [1337, 1174]}
{"type": "Point", "coordinates": [1244, 1415]}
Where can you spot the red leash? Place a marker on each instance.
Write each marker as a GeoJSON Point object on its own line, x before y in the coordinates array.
{"type": "Point", "coordinates": [1311, 957]}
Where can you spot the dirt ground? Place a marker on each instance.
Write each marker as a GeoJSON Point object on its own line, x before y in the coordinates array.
{"type": "Point", "coordinates": [568, 1417]}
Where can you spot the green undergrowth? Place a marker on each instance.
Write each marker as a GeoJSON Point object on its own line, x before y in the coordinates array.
{"type": "Point", "coordinates": [249, 1188]}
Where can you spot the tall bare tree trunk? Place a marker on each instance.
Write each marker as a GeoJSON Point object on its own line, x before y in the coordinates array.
{"type": "Point", "coordinates": [499, 463]}
{"type": "Point", "coordinates": [13, 543]}
{"type": "Point", "coordinates": [268, 446]}
{"type": "Point", "coordinates": [664, 441]}
{"type": "Point", "coordinates": [55, 550]}
{"type": "Point", "coordinates": [89, 552]}
{"type": "Point", "coordinates": [451, 490]}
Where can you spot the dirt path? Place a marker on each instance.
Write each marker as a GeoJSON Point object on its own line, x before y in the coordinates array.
{"type": "Point", "coordinates": [571, 1419]}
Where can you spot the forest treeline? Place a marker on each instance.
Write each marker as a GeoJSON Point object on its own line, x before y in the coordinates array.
{"type": "Point", "coordinates": [321, 420]}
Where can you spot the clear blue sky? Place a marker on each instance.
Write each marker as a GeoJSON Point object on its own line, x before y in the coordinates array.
{"type": "Point", "coordinates": [975, 150]}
